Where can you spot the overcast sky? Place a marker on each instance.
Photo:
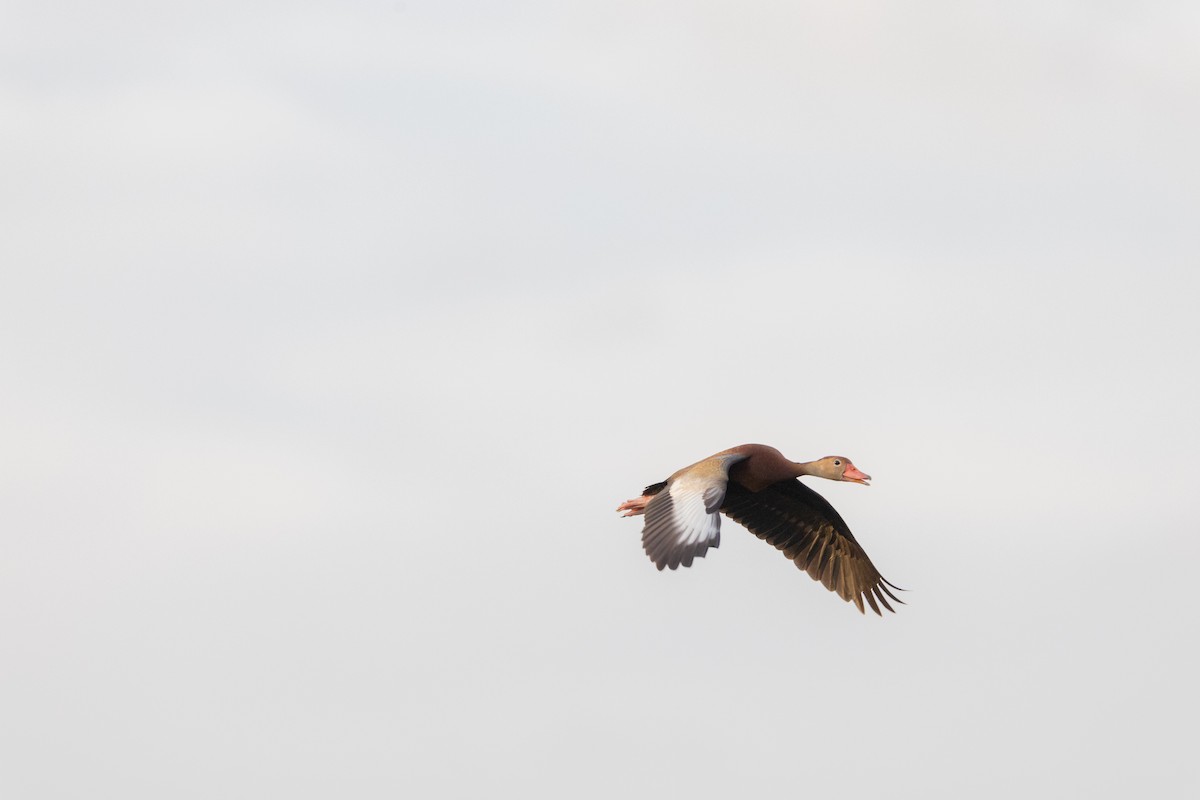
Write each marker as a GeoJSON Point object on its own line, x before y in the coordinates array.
{"type": "Point", "coordinates": [331, 334]}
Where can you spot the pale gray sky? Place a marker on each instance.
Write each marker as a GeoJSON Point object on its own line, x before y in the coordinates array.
{"type": "Point", "coordinates": [334, 332]}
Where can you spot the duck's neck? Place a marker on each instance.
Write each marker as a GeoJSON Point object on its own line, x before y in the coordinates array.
{"type": "Point", "coordinates": [802, 468]}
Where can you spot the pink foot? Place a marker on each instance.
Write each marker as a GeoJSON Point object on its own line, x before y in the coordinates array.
{"type": "Point", "coordinates": [635, 506]}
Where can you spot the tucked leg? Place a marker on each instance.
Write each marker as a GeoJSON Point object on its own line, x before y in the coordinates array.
{"type": "Point", "coordinates": [635, 506]}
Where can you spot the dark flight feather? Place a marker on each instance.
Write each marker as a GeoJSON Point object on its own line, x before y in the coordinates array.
{"type": "Point", "coordinates": [809, 531]}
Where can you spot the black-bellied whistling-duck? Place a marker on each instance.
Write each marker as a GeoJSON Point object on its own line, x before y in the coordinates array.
{"type": "Point", "coordinates": [753, 484]}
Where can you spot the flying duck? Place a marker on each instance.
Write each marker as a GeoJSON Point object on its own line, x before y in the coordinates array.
{"type": "Point", "coordinates": [754, 485]}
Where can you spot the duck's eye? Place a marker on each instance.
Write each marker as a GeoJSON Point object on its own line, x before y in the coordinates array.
{"type": "Point", "coordinates": [837, 463]}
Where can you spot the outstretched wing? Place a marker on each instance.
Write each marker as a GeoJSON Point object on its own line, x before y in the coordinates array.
{"type": "Point", "coordinates": [683, 517]}
{"type": "Point", "coordinates": [807, 529]}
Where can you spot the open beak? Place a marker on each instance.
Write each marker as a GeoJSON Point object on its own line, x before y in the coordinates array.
{"type": "Point", "coordinates": [855, 475]}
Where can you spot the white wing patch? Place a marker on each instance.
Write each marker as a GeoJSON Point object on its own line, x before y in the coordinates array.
{"type": "Point", "coordinates": [684, 519]}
